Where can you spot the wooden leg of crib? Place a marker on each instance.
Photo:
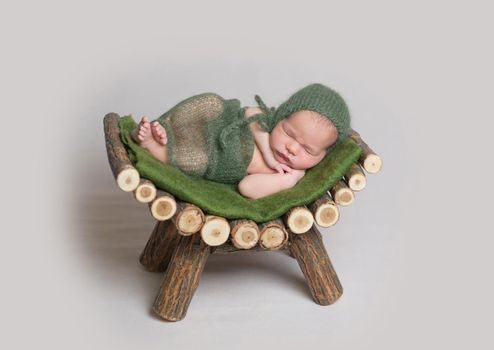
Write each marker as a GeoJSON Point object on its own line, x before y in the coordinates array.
{"type": "Point", "coordinates": [308, 249]}
{"type": "Point", "coordinates": [181, 278]}
{"type": "Point", "coordinates": [159, 249]}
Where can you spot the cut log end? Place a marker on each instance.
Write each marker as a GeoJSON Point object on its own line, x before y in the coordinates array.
{"type": "Point", "coordinates": [342, 194]}
{"type": "Point", "coordinates": [372, 163]}
{"type": "Point", "coordinates": [163, 208]}
{"type": "Point", "coordinates": [344, 197]}
{"type": "Point", "coordinates": [273, 238]}
{"type": "Point", "coordinates": [145, 192]}
{"type": "Point", "coordinates": [299, 220]}
{"type": "Point", "coordinates": [215, 230]}
{"type": "Point", "coordinates": [245, 234]}
{"type": "Point", "coordinates": [369, 159]}
{"type": "Point", "coordinates": [190, 220]}
{"type": "Point", "coordinates": [357, 182]}
{"type": "Point", "coordinates": [327, 215]}
{"type": "Point", "coordinates": [128, 179]}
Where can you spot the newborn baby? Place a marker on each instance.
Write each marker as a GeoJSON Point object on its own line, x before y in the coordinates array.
{"type": "Point", "coordinates": [273, 147]}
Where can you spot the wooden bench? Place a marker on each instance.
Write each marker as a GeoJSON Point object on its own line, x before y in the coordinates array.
{"type": "Point", "coordinates": [184, 235]}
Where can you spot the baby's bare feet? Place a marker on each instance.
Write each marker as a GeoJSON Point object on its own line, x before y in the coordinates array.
{"type": "Point", "coordinates": [159, 133]}
{"type": "Point", "coordinates": [142, 134]}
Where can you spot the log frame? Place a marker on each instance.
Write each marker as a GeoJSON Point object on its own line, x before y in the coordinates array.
{"type": "Point", "coordinates": [125, 174]}
{"type": "Point", "coordinates": [369, 159]}
{"type": "Point", "coordinates": [184, 257]}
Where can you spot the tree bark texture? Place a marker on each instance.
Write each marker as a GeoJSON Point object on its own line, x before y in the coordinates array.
{"type": "Point", "coordinates": [314, 262]}
{"type": "Point", "coordinates": [159, 249]}
{"type": "Point", "coordinates": [181, 278]}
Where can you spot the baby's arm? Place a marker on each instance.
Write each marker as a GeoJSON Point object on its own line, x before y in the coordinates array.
{"type": "Point", "coordinates": [260, 185]}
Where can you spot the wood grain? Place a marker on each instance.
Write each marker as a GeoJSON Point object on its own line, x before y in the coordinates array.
{"type": "Point", "coordinates": [159, 249]}
{"type": "Point", "coordinates": [314, 262]}
{"type": "Point", "coordinates": [181, 278]}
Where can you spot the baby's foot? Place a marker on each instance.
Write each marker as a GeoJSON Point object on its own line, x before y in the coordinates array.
{"type": "Point", "coordinates": [142, 134]}
{"type": "Point", "coordinates": [159, 133]}
{"type": "Point", "coordinates": [144, 137]}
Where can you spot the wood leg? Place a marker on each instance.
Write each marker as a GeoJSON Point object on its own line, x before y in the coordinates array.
{"type": "Point", "coordinates": [308, 249]}
{"type": "Point", "coordinates": [159, 249]}
{"type": "Point", "coordinates": [181, 278]}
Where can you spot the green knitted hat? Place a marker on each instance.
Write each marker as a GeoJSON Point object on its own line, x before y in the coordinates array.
{"type": "Point", "coordinates": [321, 99]}
{"type": "Point", "coordinates": [314, 97]}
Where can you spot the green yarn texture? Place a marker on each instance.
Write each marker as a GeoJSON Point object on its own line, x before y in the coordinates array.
{"type": "Point", "coordinates": [224, 199]}
{"type": "Point", "coordinates": [197, 143]}
{"type": "Point", "coordinates": [314, 97]}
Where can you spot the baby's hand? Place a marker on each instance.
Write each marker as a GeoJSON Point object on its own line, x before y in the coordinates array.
{"type": "Point", "coordinates": [275, 165]}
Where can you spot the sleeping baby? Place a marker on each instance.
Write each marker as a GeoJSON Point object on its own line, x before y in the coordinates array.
{"type": "Point", "coordinates": [263, 150]}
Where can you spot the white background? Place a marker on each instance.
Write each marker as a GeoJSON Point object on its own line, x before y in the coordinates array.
{"type": "Point", "coordinates": [413, 252]}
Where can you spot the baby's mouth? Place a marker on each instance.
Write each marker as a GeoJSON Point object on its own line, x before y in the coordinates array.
{"type": "Point", "coordinates": [283, 157]}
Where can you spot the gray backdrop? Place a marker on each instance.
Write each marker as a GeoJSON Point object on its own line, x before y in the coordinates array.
{"type": "Point", "coordinates": [413, 252]}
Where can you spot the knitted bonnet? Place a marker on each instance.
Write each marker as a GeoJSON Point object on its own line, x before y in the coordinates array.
{"type": "Point", "coordinates": [314, 97]}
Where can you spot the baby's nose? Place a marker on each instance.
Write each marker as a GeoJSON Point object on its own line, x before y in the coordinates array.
{"type": "Point", "coordinates": [292, 148]}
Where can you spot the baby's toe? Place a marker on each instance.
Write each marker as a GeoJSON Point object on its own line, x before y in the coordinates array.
{"type": "Point", "coordinates": [162, 137]}
{"type": "Point", "coordinates": [158, 129]}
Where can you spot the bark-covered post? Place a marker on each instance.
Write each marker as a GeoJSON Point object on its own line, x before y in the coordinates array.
{"type": "Point", "coordinates": [159, 249]}
{"type": "Point", "coordinates": [181, 278]}
{"type": "Point", "coordinates": [314, 261]}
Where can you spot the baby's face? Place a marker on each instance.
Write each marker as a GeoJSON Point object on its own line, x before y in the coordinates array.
{"type": "Point", "coordinates": [301, 140]}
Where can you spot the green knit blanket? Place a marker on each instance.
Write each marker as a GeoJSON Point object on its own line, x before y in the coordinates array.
{"type": "Point", "coordinates": [224, 199]}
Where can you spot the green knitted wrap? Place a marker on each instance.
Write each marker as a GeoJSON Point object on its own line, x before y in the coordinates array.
{"type": "Point", "coordinates": [210, 138]}
{"type": "Point", "coordinates": [193, 129]}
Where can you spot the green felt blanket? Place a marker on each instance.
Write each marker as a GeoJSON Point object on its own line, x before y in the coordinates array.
{"type": "Point", "coordinates": [224, 199]}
